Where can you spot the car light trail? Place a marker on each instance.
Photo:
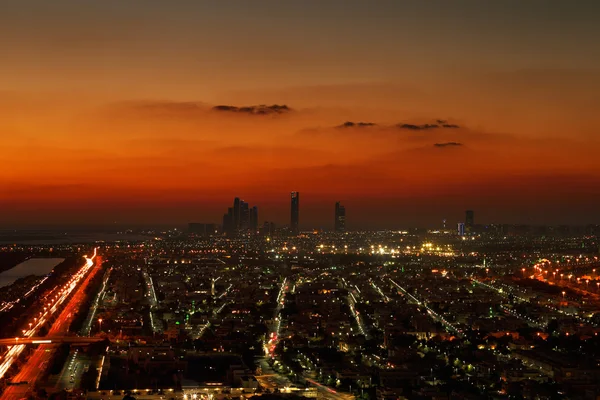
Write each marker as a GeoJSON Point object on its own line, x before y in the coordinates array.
{"type": "Point", "coordinates": [14, 351]}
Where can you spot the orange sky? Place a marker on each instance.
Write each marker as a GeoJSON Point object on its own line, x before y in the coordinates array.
{"type": "Point", "coordinates": [117, 125]}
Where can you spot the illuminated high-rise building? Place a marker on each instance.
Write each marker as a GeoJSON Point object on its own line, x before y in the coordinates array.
{"type": "Point", "coordinates": [340, 217]}
{"type": "Point", "coordinates": [295, 214]}
{"type": "Point", "coordinates": [461, 229]}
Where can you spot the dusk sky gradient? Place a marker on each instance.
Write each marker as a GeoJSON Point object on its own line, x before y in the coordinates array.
{"type": "Point", "coordinates": [106, 111]}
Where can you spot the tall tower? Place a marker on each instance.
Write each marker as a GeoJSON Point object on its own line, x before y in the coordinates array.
{"type": "Point", "coordinates": [253, 220]}
{"type": "Point", "coordinates": [469, 220]}
{"type": "Point", "coordinates": [295, 214]}
{"type": "Point", "coordinates": [340, 217]}
{"type": "Point", "coordinates": [236, 213]}
{"type": "Point", "coordinates": [244, 216]}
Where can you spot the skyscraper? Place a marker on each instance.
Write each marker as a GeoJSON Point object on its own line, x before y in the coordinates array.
{"type": "Point", "coordinates": [254, 219]}
{"type": "Point", "coordinates": [340, 217]}
{"type": "Point", "coordinates": [244, 216]}
{"type": "Point", "coordinates": [295, 214]}
{"type": "Point", "coordinates": [461, 229]}
{"type": "Point", "coordinates": [469, 220]}
{"type": "Point", "coordinates": [228, 222]}
{"type": "Point", "coordinates": [236, 213]}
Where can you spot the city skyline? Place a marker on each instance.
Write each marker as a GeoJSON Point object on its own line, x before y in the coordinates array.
{"type": "Point", "coordinates": [408, 122]}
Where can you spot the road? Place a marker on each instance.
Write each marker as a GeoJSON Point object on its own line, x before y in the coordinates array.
{"type": "Point", "coordinates": [87, 326]}
{"type": "Point", "coordinates": [37, 363]}
{"type": "Point", "coordinates": [55, 298]}
{"type": "Point", "coordinates": [49, 340]}
{"type": "Point", "coordinates": [72, 371]}
{"type": "Point", "coordinates": [432, 314]}
{"type": "Point", "coordinates": [153, 301]}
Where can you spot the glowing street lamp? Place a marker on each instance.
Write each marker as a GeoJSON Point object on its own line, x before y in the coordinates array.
{"type": "Point", "coordinates": [100, 323]}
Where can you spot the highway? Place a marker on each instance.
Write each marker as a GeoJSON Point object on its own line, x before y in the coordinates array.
{"type": "Point", "coordinates": [87, 326]}
{"type": "Point", "coordinates": [38, 361]}
{"type": "Point", "coordinates": [49, 340]}
{"type": "Point", "coordinates": [7, 306]}
{"type": "Point", "coordinates": [151, 294]}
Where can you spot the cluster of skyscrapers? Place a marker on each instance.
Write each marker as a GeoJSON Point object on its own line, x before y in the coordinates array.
{"type": "Point", "coordinates": [240, 218]}
{"type": "Point", "coordinates": [243, 219]}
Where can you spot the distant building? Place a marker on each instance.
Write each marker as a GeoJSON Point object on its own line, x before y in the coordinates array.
{"type": "Point", "coordinates": [295, 213]}
{"type": "Point", "coordinates": [236, 213]}
{"type": "Point", "coordinates": [202, 229]}
{"type": "Point", "coordinates": [461, 229]}
{"type": "Point", "coordinates": [469, 220]}
{"type": "Point", "coordinates": [268, 229]}
{"type": "Point", "coordinates": [229, 222]}
{"type": "Point", "coordinates": [240, 218]}
{"type": "Point", "coordinates": [340, 217]}
{"type": "Point", "coordinates": [253, 219]}
{"type": "Point", "coordinates": [244, 223]}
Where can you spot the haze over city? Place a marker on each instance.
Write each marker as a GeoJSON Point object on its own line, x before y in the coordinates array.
{"type": "Point", "coordinates": [408, 112]}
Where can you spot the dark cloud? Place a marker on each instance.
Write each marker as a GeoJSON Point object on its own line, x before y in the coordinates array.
{"type": "Point", "coordinates": [255, 110]}
{"type": "Point", "coordinates": [440, 123]}
{"type": "Point", "coordinates": [418, 127]}
{"type": "Point", "coordinates": [448, 144]}
{"type": "Point", "coordinates": [350, 124]}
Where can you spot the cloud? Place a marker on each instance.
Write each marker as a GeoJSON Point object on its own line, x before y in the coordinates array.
{"type": "Point", "coordinates": [255, 110]}
{"type": "Point", "coordinates": [350, 124]}
{"type": "Point", "coordinates": [448, 144]}
{"type": "Point", "coordinates": [440, 123]}
{"type": "Point", "coordinates": [418, 127]}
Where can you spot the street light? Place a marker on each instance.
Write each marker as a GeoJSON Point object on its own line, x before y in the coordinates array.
{"type": "Point", "coordinates": [100, 323]}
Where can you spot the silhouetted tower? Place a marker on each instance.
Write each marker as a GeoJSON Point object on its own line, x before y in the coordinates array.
{"type": "Point", "coordinates": [236, 213]}
{"type": "Point", "coordinates": [469, 220]}
{"type": "Point", "coordinates": [295, 214]}
{"type": "Point", "coordinates": [340, 217]}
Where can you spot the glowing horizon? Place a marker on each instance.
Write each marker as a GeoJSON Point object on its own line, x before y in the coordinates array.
{"type": "Point", "coordinates": [118, 125]}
